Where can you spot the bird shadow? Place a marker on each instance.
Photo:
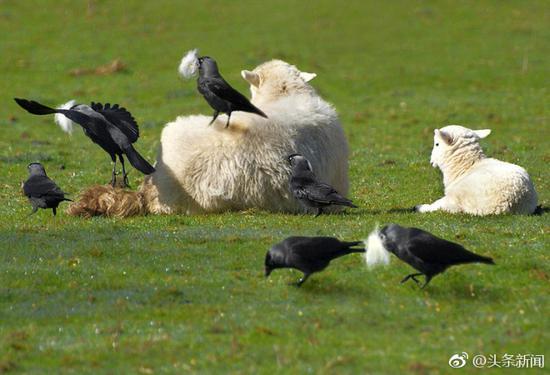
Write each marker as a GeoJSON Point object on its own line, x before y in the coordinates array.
{"type": "Point", "coordinates": [328, 287]}
{"type": "Point", "coordinates": [464, 291]}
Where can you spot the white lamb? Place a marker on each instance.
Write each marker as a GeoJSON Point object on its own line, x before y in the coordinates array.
{"type": "Point", "coordinates": [202, 168]}
{"type": "Point", "coordinates": [474, 183]}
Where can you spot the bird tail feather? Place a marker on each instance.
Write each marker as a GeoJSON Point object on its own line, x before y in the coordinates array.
{"type": "Point", "coordinates": [344, 202]}
{"type": "Point", "coordinates": [375, 253]}
{"type": "Point", "coordinates": [138, 161]}
{"type": "Point", "coordinates": [259, 111]}
{"type": "Point", "coordinates": [487, 260]}
{"type": "Point", "coordinates": [480, 259]}
{"type": "Point", "coordinates": [34, 107]}
{"type": "Point", "coordinates": [350, 246]}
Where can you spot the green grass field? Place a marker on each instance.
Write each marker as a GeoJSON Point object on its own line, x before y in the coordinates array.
{"type": "Point", "coordinates": [174, 294]}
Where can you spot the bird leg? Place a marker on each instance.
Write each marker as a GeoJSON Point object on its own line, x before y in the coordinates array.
{"type": "Point", "coordinates": [54, 210]}
{"type": "Point", "coordinates": [412, 276]}
{"type": "Point", "coordinates": [228, 117]}
{"type": "Point", "coordinates": [428, 278]}
{"type": "Point", "coordinates": [125, 181]}
{"type": "Point", "coordinates": [113, 175]}
{"type": "Point", "coordinates": [303, 279]}
{"type": "Point", "coordinates": [319, 211]}
{"type": "Point", "coordinates": [215, 116]}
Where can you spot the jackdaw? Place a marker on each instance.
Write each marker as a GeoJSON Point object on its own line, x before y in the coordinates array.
{"type": "Point", "coordinates": [111, 127]}
{"type": "Point", "coordinates": [219, 94]}
{"type": "Point", "coordinates": [428, 254]}
{"type": "Point", "coordinates": [310, 192]}
{"type": "Point", "coordinates": [41, 190]}
{"type": "Point", "coordinates": [307, 254]}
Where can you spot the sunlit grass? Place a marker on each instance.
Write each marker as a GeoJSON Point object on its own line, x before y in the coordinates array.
{"type": "Point", "coordinates": [176, 293]}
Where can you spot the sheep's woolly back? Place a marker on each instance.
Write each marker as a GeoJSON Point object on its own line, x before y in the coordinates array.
{"type": "Point", "coordinates": [64, 123]}
{"type": "Point", "coordinates": [189, 64]}
{"type": "Point", "coordinates": [375, 254]}
{"type": "Point", "coordinates": [104, 200]}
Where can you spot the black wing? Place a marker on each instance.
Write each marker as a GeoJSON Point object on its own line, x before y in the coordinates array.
{"type": "Point", "coordinates": [432, 249]}
{"type": "Point", "coordinates": [315, 248]}
{"type": "Point", "coordinates": [119, 117]}
{"type": "Point", "coordinates": [223, 90]}
{"type": "Point", "coordinates": [39, 186]}
{"type": "Point", "coordinates": [324, 193]}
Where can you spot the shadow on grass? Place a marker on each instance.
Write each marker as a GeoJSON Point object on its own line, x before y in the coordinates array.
{"type": "Point", "coordinates": [466, 291]}
{"type": "Point", "coordinates": [398, 210]}
{"type": "Point", "coordinates": [329, 287]}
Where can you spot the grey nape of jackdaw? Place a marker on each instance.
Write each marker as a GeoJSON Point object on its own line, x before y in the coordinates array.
{"type": "Point", "coordinates": [41, 190]}
{"type": "Point", "coordinates": [213, 87]}
{"type": "Point", "coordinates": [111, 127]}
{"type": "Point", "coordinates": [307, 254]}
{"type": "Point", "coordinates": [311, 193]}
{"type": "Point", "coordinates": [428, 254]}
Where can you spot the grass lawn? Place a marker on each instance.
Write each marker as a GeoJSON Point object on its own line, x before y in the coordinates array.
{"type": "Point", "coordinates": [161, 294]}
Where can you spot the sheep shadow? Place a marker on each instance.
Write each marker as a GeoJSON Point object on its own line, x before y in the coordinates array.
{"type": "Point", "coordinates": [400, 210]}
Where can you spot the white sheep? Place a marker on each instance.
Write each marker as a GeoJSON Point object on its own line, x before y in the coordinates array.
{"type": "Point", "coordinates": [474, 183]}
{"type": "Point", "coordinates": [206, 169]}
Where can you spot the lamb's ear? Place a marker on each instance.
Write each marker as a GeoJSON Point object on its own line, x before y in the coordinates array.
{"type": "Point", "coordinates": [251, 77]}
{"type": "Point", "coordinates": [482, 133]}
{"type": "Point", "coordinates": [307, 76]}
{"type": "Point", "coordinates": [446, 137]}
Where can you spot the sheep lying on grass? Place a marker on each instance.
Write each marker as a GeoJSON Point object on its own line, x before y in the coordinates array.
{"type": "Point", "coordinates": [474, 183]}
{"type": "Point", "coordinates": [202, 168]}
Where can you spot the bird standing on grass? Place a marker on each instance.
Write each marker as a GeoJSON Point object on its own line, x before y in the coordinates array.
{"type": "Point", "coordinates": [216, 91]}
{"type": "Point", "coordinates": [310, 192]}
{"type": "Point", "coordinates": [111, 127]}
{"type": "Point", "coordinates": [307, 254]}
{"type": "Point", "coordinates": [41, 190]}
{"type": "Point", "coordinates": [428, 254]}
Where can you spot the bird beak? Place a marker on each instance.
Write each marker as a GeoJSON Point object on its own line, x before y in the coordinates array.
{"type": "Point", "coordinates": [267, 272]}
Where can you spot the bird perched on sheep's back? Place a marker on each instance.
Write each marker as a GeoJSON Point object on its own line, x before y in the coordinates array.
{"type": "Point", "coordinates": [111, 127]}
{"type": "Point", "coordinates": [310, 192]}
{"type": "Point", "coordinates": [307, 254]}
{"type": "Point", "coordinates": [41, 190]}
{"type": "Point", "coordinates": [428, 254]}
{"type": "Point", "coordinates": [219, 94]}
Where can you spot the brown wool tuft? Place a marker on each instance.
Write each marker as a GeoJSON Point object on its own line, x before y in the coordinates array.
{"type": "Point", "coordinates": [104, 200]}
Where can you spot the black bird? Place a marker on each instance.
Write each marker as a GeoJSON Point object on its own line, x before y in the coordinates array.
{"type": "Point", "coordinates": [219, 94]}
{"type": "Point", "coordinates": [428, 254]}
{"type": "Point", "coordinates": [310, 192]}
{"type": "Point", "coordinates": [41, 190]}
{"type": "Point", "coordinates": [307, 254]}
{"type": "Point", "coordinates": [111, 127]}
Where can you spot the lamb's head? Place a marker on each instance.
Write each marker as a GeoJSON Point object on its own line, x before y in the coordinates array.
{"type": "Point", "coordinates": [275, 79]}
{"type": "Point", "coordinates": [455, 141]}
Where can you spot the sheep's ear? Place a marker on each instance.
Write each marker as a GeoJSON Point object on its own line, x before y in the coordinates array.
{"type": "Point", "coordinates": [251, 77]}
{"type": "Point", "coordinates": [307, 76]}
{"type": "Point", "coordinates": [482, 133]}
{"type": "Point", "coordinates": [446, 137]}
